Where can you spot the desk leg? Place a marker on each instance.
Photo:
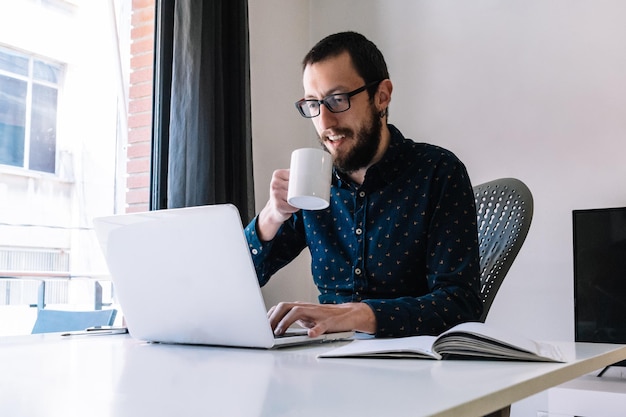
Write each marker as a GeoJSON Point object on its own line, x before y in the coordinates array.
{"type": "Point", "coordinates": [505, 412]}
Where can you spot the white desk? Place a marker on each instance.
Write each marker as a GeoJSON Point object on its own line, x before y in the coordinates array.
{"type": "Point", "coordinates": [50, 375]}
{"type": "Point", "coordinates": [590, 395]}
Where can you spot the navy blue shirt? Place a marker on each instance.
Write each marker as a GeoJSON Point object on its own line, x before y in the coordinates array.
{"type": "Point", "coordinates": [405, 241]}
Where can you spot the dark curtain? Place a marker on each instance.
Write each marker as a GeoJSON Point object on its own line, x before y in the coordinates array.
{"type": "Point", "coordinates": [202, 132]}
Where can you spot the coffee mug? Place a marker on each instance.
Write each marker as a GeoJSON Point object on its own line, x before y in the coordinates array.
{"type": "Point", "coordinates": [309, 179]}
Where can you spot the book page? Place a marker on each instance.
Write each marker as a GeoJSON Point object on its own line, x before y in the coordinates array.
{"type": "Point", "coordinates": [402, 347]}
{"type": "Point", "coordinates": [499, 342]}
{"type": "Point", "coordinates": [471, 339]}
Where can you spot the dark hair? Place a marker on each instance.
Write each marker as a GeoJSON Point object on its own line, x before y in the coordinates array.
{"type": "Point", "coordinates": [366, 57]}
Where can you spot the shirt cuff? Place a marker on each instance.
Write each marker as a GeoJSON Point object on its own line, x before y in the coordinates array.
{"type": "Point", "coordinates": [255, 245]}
{"type": "Point", "coordinates": [390, 321]}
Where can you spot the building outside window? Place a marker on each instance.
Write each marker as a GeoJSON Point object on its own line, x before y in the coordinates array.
{"type": "Point", "coordinates": [75, 129]}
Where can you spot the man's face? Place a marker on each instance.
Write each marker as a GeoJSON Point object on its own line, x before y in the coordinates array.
{"type": "Point", "coordinates": [352, 137]}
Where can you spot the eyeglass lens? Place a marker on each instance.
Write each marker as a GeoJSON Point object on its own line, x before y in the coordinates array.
{"type": "Point", "coordinates": [336, 103]}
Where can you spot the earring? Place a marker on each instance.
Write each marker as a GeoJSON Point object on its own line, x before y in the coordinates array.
{"type": "Point", "coordinates": [383, 112]}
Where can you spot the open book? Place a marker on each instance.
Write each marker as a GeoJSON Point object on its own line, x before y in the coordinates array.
{"type": "Point", "coordinates": [472, 339]}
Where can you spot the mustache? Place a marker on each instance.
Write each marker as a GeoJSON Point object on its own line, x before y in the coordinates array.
{"type": "Point", "coordinates": [337, 131]}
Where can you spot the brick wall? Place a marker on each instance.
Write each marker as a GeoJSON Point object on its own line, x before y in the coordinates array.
{"type": "Point", "coordinates": [140, 106]}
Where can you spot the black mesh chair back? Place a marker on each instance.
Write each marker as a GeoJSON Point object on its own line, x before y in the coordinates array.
{"type": "Point", "coordinates": [504, 209]}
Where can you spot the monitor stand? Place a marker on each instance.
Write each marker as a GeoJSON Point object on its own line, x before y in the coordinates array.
{"type": "Point", "coordinates": [617, 370]}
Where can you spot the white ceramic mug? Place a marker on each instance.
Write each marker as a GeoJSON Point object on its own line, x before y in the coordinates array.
{"type": "Point", "coordinates": [309, 179]}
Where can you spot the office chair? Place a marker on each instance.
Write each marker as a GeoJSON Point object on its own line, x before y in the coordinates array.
{"type": "Point", "coordinates": [65, 320]}
{"type": "Point", "coordinates": [504, 209]}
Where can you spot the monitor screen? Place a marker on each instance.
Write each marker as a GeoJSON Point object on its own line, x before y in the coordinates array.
{"type": "Point", "coordinates": [600, 275]}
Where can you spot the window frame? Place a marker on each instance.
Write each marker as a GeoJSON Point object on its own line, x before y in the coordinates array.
{"type": "Point", "coordinates": [31, 80]}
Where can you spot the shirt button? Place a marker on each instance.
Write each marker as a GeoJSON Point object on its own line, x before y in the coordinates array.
{"type": "Point", "coordinates": [362, 194]}
{"type": "Point", "coordinates": [255, 251]}
{"type": "Point", "coordinates": [358, 231]}
{"type": "Point", "coordinates": [357, 271]}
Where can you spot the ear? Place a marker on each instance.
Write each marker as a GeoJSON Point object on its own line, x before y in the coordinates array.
{"type": "Point", "coordinates": [383, 95]}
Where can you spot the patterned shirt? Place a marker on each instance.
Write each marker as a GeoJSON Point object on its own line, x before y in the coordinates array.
{"type": "Point", "coordinates": [404, 242]}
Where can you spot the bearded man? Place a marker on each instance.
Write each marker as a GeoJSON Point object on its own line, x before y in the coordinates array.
{"type": "Point", "coordinates": [396, 252]}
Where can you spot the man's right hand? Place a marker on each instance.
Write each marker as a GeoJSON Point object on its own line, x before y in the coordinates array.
{"type": "Point", "coordinates": [277, 210]}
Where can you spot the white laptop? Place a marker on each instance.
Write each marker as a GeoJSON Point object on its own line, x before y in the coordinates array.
{"type": "Point", "coordinates": [186, 276]}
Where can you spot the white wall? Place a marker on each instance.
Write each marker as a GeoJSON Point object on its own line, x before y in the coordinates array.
{"type": "Point", "coordinates": [534, 89]}
{"type": "Point", "coordinates": [528, 88]}
{"type": "Point", "coordinates": [279, 39]}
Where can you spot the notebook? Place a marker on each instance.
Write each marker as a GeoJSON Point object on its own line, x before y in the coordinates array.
{"type": "Point", "coordinates": [186, 276]}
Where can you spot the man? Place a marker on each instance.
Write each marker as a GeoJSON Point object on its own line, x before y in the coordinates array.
{"type": "Point", "coordinates": [396, 252]}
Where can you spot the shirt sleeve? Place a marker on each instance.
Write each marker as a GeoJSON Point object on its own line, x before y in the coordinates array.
{"type": "Point", "coordinates": [269, 257]}
{"type": "Point", "coordinates": [452, 269]}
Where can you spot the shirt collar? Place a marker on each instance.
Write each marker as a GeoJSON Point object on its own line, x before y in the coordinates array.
{"type": "Point", "coordinates": [381, 173]}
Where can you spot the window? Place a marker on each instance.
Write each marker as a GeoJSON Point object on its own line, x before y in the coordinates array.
{"type": "Point", "coordinates": [75, 136]}
{"type": "Point", "coordinates": [28, 110]}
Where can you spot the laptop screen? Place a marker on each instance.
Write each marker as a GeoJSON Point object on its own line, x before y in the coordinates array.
{"type": "Point", "coordinates": [599, 237]}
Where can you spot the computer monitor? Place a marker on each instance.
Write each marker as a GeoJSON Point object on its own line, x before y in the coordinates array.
{"type": "Point", "coordinates": [600, 275]}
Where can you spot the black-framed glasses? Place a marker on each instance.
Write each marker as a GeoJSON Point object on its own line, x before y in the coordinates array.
{"type": "Point", "coordinates": [336, 103]}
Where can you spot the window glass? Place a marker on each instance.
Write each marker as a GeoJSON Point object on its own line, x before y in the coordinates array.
{"type": "Point", "coordinates": [43, 129]}
{"type": "Point", "coordinates": [12, 120]}
{"type": "Point", "coordinates": [13, 62]}
{"type": "Point", "coordinates": [46, 72]}
{"type": "Point", "coordinates": [29, 112]}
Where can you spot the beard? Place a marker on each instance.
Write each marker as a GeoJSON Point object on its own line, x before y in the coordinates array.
{"type": "Point", "coordinates": [366, 143]}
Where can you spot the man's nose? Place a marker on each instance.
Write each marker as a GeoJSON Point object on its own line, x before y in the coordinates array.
{"type": "Point", "coordinates": [326, 119]}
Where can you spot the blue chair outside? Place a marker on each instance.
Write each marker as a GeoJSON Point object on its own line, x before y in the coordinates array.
{"type": "Point", "coordinates": [66, 320]}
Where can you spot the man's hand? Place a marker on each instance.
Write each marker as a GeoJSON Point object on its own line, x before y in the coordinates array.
{"type": "Point", "coordinates": [277, 210]}
{"type": "Point", "coordinates": [323, 318]}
